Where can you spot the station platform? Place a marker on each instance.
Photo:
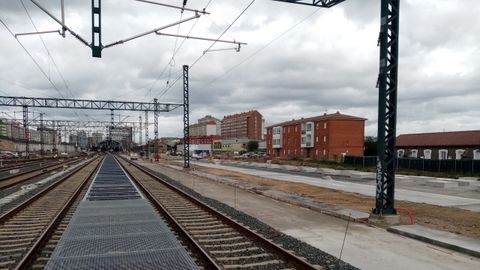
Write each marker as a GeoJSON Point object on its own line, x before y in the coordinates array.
{"type": "Point", "coordinates": [114, 227]}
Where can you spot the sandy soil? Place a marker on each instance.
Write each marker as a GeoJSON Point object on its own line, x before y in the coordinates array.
{"type": "Point", "coordinates": [450, 219]}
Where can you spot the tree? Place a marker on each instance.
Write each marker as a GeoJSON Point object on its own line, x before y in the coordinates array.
{"type": "Point", "coordinates": [252, 146]}
{"type": "Point", "coordinates": [370, 146]}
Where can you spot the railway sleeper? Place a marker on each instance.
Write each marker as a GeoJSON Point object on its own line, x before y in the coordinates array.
{"type": "Point", "coordinates": [223, 229]}
{"type": "Point", "coordinates": [228, 246]}
{"type": "Point", "coordinates": [247, 258]}
{"type": "Point", "coordinates": [221, 240]}
{"type": "Point", "coordinates": [206, 228]}
{"type": "Point", "coordinates": [252, 250]}
{"type": "Point", "coordinates": [16, 240]}
{"type": "Point", "coordinates": [191, 216]}
{"type": "Point", "coordinates": [205, 223]}
{"type": "Point", "coordinates": [260, 265]}
{"type": "Point", "coordinates": [218, 235]}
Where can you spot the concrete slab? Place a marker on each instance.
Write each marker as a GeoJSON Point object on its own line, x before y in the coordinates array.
{"type": "Point", "coordinates": [309, 169]}
{"type": "Point", "coordinates": [290, 168]}
{"type": "Point", "coordinates": [442, 184]}
{"type": "Point", "coordinates": [365, 189]}
{"type": "Point", "coordinates": [468, 183]}
{"type": "Point", "coordinates": [440, 238]}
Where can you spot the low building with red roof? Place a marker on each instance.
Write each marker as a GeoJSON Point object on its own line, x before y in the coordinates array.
{"type": "Point", "coordinates": [440, 145]}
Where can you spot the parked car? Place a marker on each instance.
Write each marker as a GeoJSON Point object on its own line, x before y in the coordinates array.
{"type": "Point", "coordinates": [133, 156]}
{"type": "Point", "coordinates": [6, 156]}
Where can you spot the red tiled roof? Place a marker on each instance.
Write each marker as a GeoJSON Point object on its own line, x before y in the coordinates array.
{"type": "Point", "coordinates": [333, 116]}
{"type": "Point", "coordinates": [455, 138]}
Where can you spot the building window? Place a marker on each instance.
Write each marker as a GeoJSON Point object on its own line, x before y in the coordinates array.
{"type": "Point", "coordinates": [414, 153]}
{"type": "Point", "coordinates": [295, 129]}
{"type": "Point", "coordinates": [427, 154]}
{"type": "Point", "coordinates": [316, 139]}
{"type": "Point", "coordinates": [325, 125]}
{"type": "Point", "coordinates": [476, 154]}
{"type": "Point", "coordinates": [443, 154]}
{"type": "Point", "coordinates": [459, 153]}
{"type": "Point", "coordinates": [309, 126]}
{"type": "Point", "coordinates": [324, 152]}
{"type": "Point", "coordinates": [324, 139]}
{"type": "Point", "coordinates": [400, 153]}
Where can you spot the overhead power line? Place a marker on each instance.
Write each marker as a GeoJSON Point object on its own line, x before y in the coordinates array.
{"type": "Point", "coordinates": [31, 57]}
{"type": "Point", "coordinates": [51, 57]}
{"type": "Point", "coordinates": [250, 57]}
{"type": "Point", "coordinates": [213, 43]}
{"type": "Point", "coordinates": [149, 91]}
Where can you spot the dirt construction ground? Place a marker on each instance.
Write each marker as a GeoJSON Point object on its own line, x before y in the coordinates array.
{"type": "Point", "coordinates": [454, 220]}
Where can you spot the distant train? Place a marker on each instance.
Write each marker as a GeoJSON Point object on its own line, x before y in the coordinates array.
{"type": "Point", "coordinates": [109, 145]}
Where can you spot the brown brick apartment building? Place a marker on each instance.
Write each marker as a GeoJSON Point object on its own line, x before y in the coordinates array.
{"type": "Point", "coordinates": [324, 137]}
{"type": "Point", "coordinates": [245, 125]}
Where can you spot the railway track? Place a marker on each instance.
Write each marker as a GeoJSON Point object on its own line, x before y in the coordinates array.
{"type": "Point", "coordinates": [25, 229]}
{"type": "Point", "coordinates": [40, 169]}
{"type": "Point", "coordinates": [18, 165]}
{"type": "Point", "coordinates": [223, 243]}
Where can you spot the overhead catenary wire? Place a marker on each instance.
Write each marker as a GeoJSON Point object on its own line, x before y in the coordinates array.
{"type": "Point", "coordinates": [251, 56]}
{"type": "Point", "coordinates": [31, 57]}
{"type": "Point", "coordinates": [50, 56]}
{"type": "Point", "coordinates": [149, 91]}
{"type": "Point", "coordinates": [211, 45]}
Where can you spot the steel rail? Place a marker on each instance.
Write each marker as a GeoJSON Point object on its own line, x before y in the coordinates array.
{"type": "Point", "coordinates": [44, 237]}
{"type": "Point", "coordinates": [16, 166]}
{"type": "Point", "coordinates": [158, 205]}
{"type": "Point", "coordinates": [41, 171]}
{"type": "Point", "coordinates": [7, 215]}
{"type": "Point", "coordinates": [285, 254]}
{"type": "Point", "coordinates": [20, 166]}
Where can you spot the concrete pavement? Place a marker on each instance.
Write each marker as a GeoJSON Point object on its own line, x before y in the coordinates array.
{"type": "Point", "coordinates": [365, 189]}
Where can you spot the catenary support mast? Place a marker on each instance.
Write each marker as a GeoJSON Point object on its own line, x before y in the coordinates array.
{"type": "Point", "coordinates": [387, 107]}
{"type": "Point", "coordinates": [186, 130]}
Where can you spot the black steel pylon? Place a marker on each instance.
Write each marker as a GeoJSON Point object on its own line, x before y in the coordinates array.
{"type": "Point", "coordinates": [186, 116]}
{"type": "Point", "coordinates": [26, 133]}
{"type": "Point", "coordinates": [147, 150]}
{"type": "Point", "coordinates": [97, 28]}
{"type": "Point", "coordinates": [387, 107]}
{"type": "Point", "coordinates": [42, 137]}
{"type": "Point", "coordinates": [155, 128]}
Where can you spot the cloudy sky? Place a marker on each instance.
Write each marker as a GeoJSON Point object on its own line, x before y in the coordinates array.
{"type": "Point", "coordinates": [300, 61]}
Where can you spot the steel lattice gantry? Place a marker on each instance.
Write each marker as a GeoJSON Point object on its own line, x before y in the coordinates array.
{"type": "Point", "coordinates": [77, 123]}
{"type": "Point", "coordinates": [387, 107]}
{"type": "Point", "coordinates": [86, 104]}
{"type": "Point", "coordinates": [26, 102]}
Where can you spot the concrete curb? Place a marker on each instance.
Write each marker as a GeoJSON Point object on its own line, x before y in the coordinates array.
{"type": "Point", "coordinates": [437, 242]}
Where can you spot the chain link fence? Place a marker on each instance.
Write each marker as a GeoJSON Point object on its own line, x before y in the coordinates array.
{"type": "Point", "coordinates": [464, 166]}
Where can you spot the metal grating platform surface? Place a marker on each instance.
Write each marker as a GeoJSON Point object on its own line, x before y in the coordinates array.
{"type": "Point", "coordinates": [118, 234]}
{"type": "Point", "coordinates": [111, 183]}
